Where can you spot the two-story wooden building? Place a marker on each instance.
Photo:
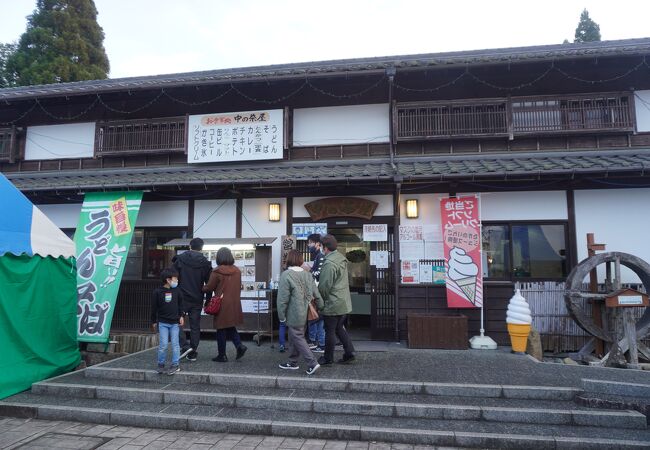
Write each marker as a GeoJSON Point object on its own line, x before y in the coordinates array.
{"type": "Point", "coordinates": [554, 138]}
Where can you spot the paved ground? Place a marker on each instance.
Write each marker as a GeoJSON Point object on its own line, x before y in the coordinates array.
{"type": "Point", "coordinates": [32, 434]}
{"type": "Point", "coordinates": [395, 362]}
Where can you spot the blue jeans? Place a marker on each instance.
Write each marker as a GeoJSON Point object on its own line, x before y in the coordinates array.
{"type": "Point", "coordinates": [317, 332]}
{"type": "Point", "coordinates": [165, 331]}
{"type": "Point", "coordinates": [282, 334]}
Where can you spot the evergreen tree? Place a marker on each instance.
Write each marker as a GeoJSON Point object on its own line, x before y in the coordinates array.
{"type": "Point", "coordinates": [587, 30]}
{"type": "Point", "coordinates": [63, 42]}
{"type": "Point", "coordinates": [6, 50]}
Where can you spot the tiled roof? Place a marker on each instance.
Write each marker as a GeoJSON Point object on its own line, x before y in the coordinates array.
{"type": "Point", "coordinates": [458, 167]}
{"type": "Point", "coordinates": [346, 66]}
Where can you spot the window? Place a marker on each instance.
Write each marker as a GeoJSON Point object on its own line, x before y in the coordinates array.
{"type": "Point", "coordinates": [524, 250]}
{"type": "Point", "coordinates": [147, 257]}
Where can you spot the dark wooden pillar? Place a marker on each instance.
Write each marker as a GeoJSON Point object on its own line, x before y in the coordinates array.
{"type": "Point", "coordinates": [238, 214]}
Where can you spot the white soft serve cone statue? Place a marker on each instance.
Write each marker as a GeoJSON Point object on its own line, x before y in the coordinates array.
{"type": "Point", "coordinates": [518, 319]}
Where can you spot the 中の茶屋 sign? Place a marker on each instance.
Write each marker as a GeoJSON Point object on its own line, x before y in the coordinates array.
{"type": "Point", "coordinates": [461, 235]}
{"type": "Point", "coordinates": [102, 239]}
{"type": "Point", "coordinates": [237, 136]}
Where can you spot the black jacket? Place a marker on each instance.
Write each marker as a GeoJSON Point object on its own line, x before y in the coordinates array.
{"type": "Point", "coordinates": [166, 305]}
{"type": "Point", "coordinates": [193, 272]}
{"type": "Point", "coordinates": [317, 265]}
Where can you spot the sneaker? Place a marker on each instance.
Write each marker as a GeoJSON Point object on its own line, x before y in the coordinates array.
{"type": "Point", "coordinates": [289, 366]}
{"type": "Point", "coordinates": [241, 350]}
{"type": "Point", "coordinates": [186, 352]}
{"type": "Point", "coordinates": [312, 346]}
{"type": "Point", "coordinates": [220, 358]}
{"type": "Point", "coordinates": [312, 369]}
{"type": "Point", "coordinates": [173, 370]}
{"type": "Point", "coordinates": [346, 359]}
{"type": "Point", "coordinates": [161, 368]}
{"type": "Point", "coordinates": [324, 362]}
{"type": "Point", "coordinates": [339, 344]}
{"type": "Point", "coordinates": [318, 349]}
{"type": "Point", "coordinates": [192, 356]}
{"type": "Point", "coordinates": [282, 349]}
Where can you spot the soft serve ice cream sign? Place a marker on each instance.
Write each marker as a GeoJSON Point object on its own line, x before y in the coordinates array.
{"type": "Point", "coordinates": [461, 226]}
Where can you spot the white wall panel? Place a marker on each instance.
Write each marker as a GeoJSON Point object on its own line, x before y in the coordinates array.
{"type": "Point", "coordinates": [163, 214]}
{"type": "Point", "coordinates": [75, 140]}
{"type": "Point", "coordinates": [642, 107]}
{"type": "Point", "coordinates": [619, 219]}
{"type": "Point", "coordinates": [336, 125]}
{"type": "Point", "coordinates": [63, 215]}
{"type": "Point", "coordinates": [542, 205]}
{"type": "Point", "coordinates": [255, 223]}
{"type": "Point", "coordinates": [385, 207]}
{"type": "Point", "coordinates": [428, 209]}
{"type": "Point", "coordinates": [221, 224]}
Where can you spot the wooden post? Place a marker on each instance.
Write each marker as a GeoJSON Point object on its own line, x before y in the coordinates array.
{"type": "Point", "coordinates": [593, 287]}
{"type": "Point", "coordinates": [629, 325]}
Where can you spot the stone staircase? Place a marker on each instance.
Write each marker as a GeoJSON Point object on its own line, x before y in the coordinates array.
{"type": "Point", "coordinates": [441, 414]}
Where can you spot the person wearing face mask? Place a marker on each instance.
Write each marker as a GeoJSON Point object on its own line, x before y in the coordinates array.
{"type": "Point", "coordinates": [166, 317]}
{"type": "Point", "coordinates": [316, 328]}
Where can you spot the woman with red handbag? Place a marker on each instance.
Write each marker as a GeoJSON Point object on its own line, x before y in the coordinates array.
{"type": "Point", "coordinates": [225, 281]}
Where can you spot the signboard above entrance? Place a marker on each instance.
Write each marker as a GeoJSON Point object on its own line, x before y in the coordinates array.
{"type": "Point", "coordinates": [236, 136]}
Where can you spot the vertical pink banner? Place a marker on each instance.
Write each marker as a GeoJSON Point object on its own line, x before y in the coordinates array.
{"type": "Point", "coordinates": [461, 235]}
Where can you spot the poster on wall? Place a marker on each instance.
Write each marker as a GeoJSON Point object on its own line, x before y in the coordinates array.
{"type": "Point", "coordinates": [302, 230]}
{"type": "Point", "coordinates": [379, 259]}
{"type": "Point", "coordinates": [410, 233]}
{"type": "Point", "coordinates": [410, 270]}
{"type": "Point", "coordinates": [235, 136]}
{"type": "Point", "coordinates": [375, 232]}
{"type": "Point", "coordinates": [461, 225]}
{"type": "Point", "coordinates": [102, 239]}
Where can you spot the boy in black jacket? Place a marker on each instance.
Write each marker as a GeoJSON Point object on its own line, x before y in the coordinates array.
{"type": "Point", "coordinates": [166, 315]}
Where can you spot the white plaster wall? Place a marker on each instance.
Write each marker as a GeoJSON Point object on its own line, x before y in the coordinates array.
{"type": "Point", "coordinates": [541, 205]}
{"type": "Point", "coordinates": [221, 225]}
{"type": "Point", "coordinates": [163, 214]}
{"type": "Point", "coordinates": [428, 209]}
{"type": "Point", "coordinates": [642, 110]}
{"type": "Point", "coordinates": [619, 219]}
{"type": "Point", "coordinates": [335, 125]}
{"type": "Point", "coordinates": [384, 208]}
{"type": "Point", "coordinates": [255, 223]}
{"type": "Point", "coordinates": [63, 215]}
{"type": "Point", "coordinates": [74, 140]}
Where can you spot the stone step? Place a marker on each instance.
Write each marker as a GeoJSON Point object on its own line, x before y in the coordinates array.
{"type": "Point", "coordinates": [617, 419]}
{"type": "Point", "coordinates": [344, 385]}
{"type": "Point", "coordinates": [616, 388]}
{"type": "Point", "coordinates": [166, 383]}
{"type": "Point", "coordinates": [414, 431]}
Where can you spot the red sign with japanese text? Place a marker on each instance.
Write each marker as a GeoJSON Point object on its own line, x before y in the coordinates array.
{"type": "Point", "coordinates": [461, 235]}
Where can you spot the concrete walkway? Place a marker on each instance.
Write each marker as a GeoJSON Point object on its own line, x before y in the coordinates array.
{"type": "Point", "coordinates": [395, 362]}
{"type": "Point", "coordinates": [33, 434]}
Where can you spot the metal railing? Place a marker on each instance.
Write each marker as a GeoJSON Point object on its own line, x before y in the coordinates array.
{"type": "Point", "coordinates": [140, 136]}
{"type": "Point", "coordinates": [566, 114]}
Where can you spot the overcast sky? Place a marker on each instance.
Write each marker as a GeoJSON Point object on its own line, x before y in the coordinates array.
{"type": "Point", "coordinates": [150, 37]}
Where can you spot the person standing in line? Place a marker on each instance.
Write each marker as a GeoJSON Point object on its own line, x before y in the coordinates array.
{"type": "Point", "coordinates": [167, 316]}
{"type": "Point", "coordinates": [296, 290]}
{"type": "Point", "coordinates": [226, 280]}
{"type": "Point", "coordinates": [193, 272]}
{"type": "Point", "coordinates": [316, 328]}
{"type": "Point", "coordinates": [335, 290]}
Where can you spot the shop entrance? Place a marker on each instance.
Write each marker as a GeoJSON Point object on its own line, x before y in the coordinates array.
{"type": "Point", "coordinates": [371, 289]}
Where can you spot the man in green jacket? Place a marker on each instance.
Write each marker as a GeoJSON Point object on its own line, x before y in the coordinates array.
{"type": "Point", "coordinates": [335, 290]}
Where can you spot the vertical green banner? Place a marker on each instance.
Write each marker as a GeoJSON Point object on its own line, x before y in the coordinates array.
{"type": "Point", "coordinates": [103, 237]}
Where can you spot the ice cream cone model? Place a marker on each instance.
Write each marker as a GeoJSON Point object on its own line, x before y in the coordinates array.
{"type": "Point", "coordinates": [518, 319]}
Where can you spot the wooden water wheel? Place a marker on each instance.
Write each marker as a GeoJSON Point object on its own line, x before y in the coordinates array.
{"type": "Point", "coordinates": [628, 331]}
